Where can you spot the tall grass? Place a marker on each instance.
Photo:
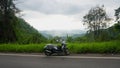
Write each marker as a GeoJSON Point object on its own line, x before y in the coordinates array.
{"type": "Point", "coordinates": [91, 47]}
{"type": "Point", "coordinates": [95, 47]}
{"type": "Point", "coordinates": [28, 48]}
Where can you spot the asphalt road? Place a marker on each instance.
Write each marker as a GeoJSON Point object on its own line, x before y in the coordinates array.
{"type": "Point", "coordinates": [41, 61]}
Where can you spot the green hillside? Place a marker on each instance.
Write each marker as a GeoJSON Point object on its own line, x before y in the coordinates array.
{"type": "Point", "coordinates": [21, 32]}
{"type": "Point", "coordinates": [14, 29]}
{"type": "Point", "coordinates": [26, 33]}
{"type": "Point", "coordinates": [109, 34]}
{"type": "Point", "coordinates": [114, 31]}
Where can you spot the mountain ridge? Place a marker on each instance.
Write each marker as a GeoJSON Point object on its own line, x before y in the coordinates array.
{"type": "Point", "coordinates": [62, 33]}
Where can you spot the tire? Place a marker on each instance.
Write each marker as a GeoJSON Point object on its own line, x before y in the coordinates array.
{"type": "Point", "coordinates": [47, 53]}
{"type": "Point", "coordinates": [67, 52]}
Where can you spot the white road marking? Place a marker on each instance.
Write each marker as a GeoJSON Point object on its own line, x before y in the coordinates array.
{"type": "Point", "coordinates": [72, 57]}
{"type": "Point", "coordinates": [90, 57]}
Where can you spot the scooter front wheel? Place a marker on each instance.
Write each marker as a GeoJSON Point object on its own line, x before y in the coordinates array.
{"type": "Point", "coordinates": [67, 52]}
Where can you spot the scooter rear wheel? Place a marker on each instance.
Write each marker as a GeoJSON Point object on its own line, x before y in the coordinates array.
{"type": "Point", "coordinates": [47, 53]}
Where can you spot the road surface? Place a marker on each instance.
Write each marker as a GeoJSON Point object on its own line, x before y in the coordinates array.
{"type": "Point", "coordinates": [41, 61]}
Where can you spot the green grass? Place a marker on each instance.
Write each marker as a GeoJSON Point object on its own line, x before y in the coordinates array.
{"type": "Point", "coordinates": [95, 47]}
{"type": "Point", "coordinates": [28, 48]}
{"type": "Point", "coordinates": [91, 47]}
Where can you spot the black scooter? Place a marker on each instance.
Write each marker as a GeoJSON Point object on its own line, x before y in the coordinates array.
{"type": "Point", "coordinates": [50, 49]}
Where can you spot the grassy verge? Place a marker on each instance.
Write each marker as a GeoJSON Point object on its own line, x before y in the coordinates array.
{"type": "Point", "coordinates": [28, 48]}
{"type": "Point", "coordinates": [94, 47]}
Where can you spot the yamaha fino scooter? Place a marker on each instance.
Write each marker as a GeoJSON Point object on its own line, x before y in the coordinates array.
{"type": "Point", "coordinates": [50, 49]}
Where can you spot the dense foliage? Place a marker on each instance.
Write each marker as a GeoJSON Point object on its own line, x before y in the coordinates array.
{"type": "Point", "coordinates": [111, 33]}
{"type": "Point", "coordinates": [117, 14]}
{"type": "Point", "coordinates": [96, 19]}
{"type": "Point", "coordinates": [27, 34]}
{"type": "Point", "coordinates": [95, 47]}
{"type": "Point", "coordinates": [88, 47]}
{"type": "Point", "coordinates": [14, 29]}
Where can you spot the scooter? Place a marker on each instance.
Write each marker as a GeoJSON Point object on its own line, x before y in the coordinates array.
{"type": "Point", "coordinates": [50, 49]}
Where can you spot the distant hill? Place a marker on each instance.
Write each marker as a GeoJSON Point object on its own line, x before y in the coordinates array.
{"type": "Point", "coordinates": [63, 33]}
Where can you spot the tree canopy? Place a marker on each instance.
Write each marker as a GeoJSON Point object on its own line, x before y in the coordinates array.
{"type": "Point", "coordinates": [117, 14]}
{"type": "Point", "coordinates": [7, 15]}
{"type": "Point", "coordinates": [14, 29]}
{"type": "Point", "coordinates": [96, 19]}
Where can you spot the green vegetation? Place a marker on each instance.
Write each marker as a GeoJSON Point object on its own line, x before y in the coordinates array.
{"type": "Point", "coordinates": [26, 48]}
{"type": "Point", "coordinates": [95, 47]}
{"type": "Point", "coordinates": [26, 34]}
{"type": "Point", "coordinates": [14, 29]}
{"type": "Point", "coordinates": [109, 34]}
{"type": "Point", "coordinates": [7, 20]}
{"type": "Point", "coordinates": [96, 19]}
{"type": "Point", "coordinates": [91, 47]}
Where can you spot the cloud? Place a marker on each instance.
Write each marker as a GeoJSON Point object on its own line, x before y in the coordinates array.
{"type": "Point", "coordinates": [52, 22]}
{"type": "Point", "coordinates": [61, 14]}
{"type": "Point", "coordinates": [52, 6]}
{"type": "Point", "coordinates": [64, 6]}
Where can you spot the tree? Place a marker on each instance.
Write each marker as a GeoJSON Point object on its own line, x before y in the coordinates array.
{"type": "Point", "coordinates": [96, 19]}
{"type": "Point", "coordinates": [7, 15]}
{"type": "Point", "coordinates": [117, 25]}
{"type": "Point", "coordinates": [117, 14]}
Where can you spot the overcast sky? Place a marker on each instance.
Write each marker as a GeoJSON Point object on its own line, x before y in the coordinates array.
{"type": "Point", "coordinates": [61, 14]}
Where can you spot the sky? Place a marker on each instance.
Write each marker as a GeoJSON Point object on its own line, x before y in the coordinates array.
{"type": "Point", "coordinates": [61, 14]}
